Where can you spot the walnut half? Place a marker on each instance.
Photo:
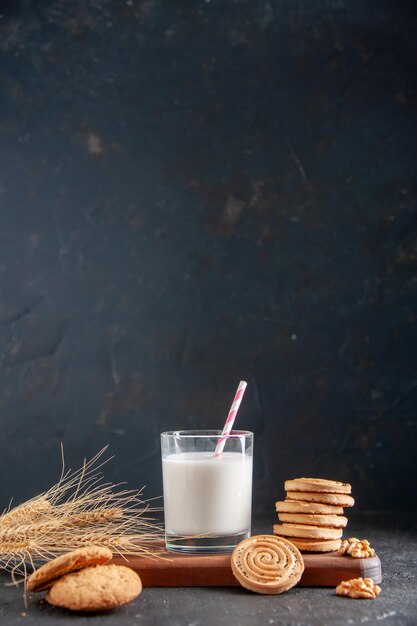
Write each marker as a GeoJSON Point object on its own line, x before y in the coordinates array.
{"type": "Point", "coordinates": [357, 548]}
{"type": "Point", "coordinates": [358, 588]}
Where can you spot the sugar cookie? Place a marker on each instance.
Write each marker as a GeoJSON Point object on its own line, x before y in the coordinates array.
{"type": "Point", "coordinates": [303, 530]}
{"type": "Point", "coordinates": [96, 588]}
{"type": "Point", "coordinates": [44, 577]}
{"type": "Point", "coordinates": [338, 499]}
{"type": "Point", "coordinates": [317, 485]}
{"type": "Point", "coordinates": [267, 564]}
{"type": "Point", "coordinates": [316, 545]}
{"type": "Point", "coordinates": [330, 521]}
{"type": "Point", "coordinates": [297, 506]}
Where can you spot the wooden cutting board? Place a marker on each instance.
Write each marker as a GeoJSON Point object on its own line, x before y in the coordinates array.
{"type": "Point", "coordinates": [178, 570]}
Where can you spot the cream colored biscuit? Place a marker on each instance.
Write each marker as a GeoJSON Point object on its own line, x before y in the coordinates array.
{"type": "Point", "coordinates": [329, 521]}
{"type": "Point", "coordinates": [316, 545]}
{"type": "Point", "coordinates": [303, 530]}
{"type": "Point", "coordinates": [267, 564]}
{"type": "Point", "coordinates": [96, 588]}
{"type": "Point", "coordinates": [44, 577]}
{"type": "Point", "coordinates": [316, 508]}
{"type": "Point", "coordinates": [337, 499]}
{"type": "Point", "coordinates": [317, 485]}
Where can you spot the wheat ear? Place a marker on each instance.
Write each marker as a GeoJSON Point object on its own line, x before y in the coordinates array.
{"type": "Point", "coordinates": [79, 510]}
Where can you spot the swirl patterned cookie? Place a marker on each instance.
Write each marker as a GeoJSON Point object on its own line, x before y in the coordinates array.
{"type": "Point", "coordinates": [267, 564]}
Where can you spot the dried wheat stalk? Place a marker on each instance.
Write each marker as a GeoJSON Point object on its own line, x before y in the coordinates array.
{"type": "Point", "coordinates": [80, 510]}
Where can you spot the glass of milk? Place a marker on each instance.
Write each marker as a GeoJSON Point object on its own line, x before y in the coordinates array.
{"type": "Point", "coordinates": [207, 498]}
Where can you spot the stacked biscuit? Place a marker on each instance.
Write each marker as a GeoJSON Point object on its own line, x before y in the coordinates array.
{"type": "Point", "coordinates": [312, 513]}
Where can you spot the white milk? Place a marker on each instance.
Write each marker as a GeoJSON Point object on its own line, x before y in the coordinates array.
{"type": "Point", "coordinates": [205, 494]}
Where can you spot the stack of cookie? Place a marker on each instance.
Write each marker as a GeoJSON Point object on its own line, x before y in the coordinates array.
{"type": "Point", "coordinates": [81, 580]}
{"type": "Point", "coordinates": [312, 513]}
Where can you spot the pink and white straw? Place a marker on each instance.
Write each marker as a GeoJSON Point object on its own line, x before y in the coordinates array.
{"type": "Point", "coordinates": [230, 418]}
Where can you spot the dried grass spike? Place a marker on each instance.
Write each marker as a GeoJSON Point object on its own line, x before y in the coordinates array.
{"type": "Point", "coordinates": [98, 516]}
{"type": "Point", "coordinates": [80, 510]}
{"type": "Point", "coordinates": [23, 512]}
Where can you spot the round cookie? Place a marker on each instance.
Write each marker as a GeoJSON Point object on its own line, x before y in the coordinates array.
{"type": "Point", "coordinates": [316, 545]}
{"type": "Point", "coordinates": [317, 484]}
{"type": "Point", "coordinates": [330, 521]}
{"type": "Point", "coordinates": [337, 499]}
{"type": "Point", "coordinates": [96, 588]}
{"type": "Point", "coordinates": [47, 574]}
{"type": "Point", "coordinates": [316, 508]}
{"type": "Point", "coordinates": [267, 564]}
{"type": "Point", "coordinates": [303, 530]}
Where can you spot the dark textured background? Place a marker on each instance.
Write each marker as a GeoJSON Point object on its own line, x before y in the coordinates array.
{"type": "Point", "coordinates": [195, 192]}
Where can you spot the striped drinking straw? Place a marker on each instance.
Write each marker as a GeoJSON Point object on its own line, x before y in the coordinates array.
{"type": "Point", "coordinates": [230, 418]}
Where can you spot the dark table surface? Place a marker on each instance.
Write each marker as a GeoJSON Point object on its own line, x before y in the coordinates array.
{"type": "Point", "coordinates": [194, 192]}
{"type": "Point", "coordinates": [393, 535]}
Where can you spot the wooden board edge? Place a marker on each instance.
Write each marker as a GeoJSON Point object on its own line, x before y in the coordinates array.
{"type": "Point", "coordinates": [220, 575]}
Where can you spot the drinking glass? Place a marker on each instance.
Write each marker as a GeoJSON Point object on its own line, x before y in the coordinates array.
{"type": "Point", "coordinates": [207, 498]}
